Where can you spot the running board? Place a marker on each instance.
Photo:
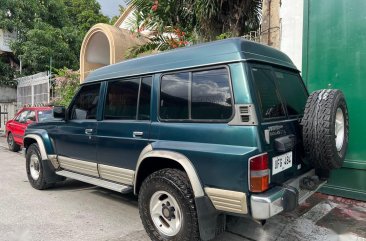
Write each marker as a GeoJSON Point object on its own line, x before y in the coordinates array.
{"type": "Point", "coordinates": [96, 181]}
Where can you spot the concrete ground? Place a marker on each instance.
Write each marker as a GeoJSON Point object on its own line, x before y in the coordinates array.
{"type": "Point", "coordinates": [78, 211]}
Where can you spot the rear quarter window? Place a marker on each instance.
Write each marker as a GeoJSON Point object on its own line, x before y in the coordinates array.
{"type": "Point", "coordinates": [198, 96]}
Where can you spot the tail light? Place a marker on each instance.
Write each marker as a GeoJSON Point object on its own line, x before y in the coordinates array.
{"type": "Point", "coordinates": [258, 173]}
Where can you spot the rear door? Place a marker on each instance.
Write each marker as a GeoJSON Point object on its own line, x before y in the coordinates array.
{"type": "Point", "coordinates": [281, 97]}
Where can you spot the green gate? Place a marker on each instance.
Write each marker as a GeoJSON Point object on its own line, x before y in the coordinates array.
{"type": "Point", "coordinates": [334, 56]}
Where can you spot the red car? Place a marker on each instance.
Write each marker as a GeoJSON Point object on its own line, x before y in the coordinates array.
{"type": "Point", "coordinates": [15, 128]}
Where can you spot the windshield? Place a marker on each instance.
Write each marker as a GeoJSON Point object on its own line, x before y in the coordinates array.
{"type": "Point", "coordinates": [280, 92]}
{"type": "Point", "coordinates": [45, 115]}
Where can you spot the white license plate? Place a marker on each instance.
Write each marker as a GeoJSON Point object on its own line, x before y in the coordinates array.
{"type": "Point", "coordinates": [281, 163]}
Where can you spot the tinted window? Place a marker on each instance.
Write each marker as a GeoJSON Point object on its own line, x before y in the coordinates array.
{"type": "Point", "coordinates": [86, 102]}
{"type": "Point", "coordinates": [145, 98]}
{"type": "Point", "coordinates": [174, 96]}
{"type": "Point", "coordinates": [292, 91]}
{"type": "Point", "coordinates": [211, 98]}
{"type": "Point", "coordinates": [121, 102]}
{"type": "Point", "coordinates": [270, 103]}
{"type": "Point", "coordinates": [44, 115]}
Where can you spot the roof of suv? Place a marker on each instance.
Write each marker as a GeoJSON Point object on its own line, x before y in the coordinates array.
{"type": "Point", "coordinates": [217, 52]}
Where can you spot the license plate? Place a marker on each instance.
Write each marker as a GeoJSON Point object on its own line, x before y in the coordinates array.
{"type": "Point", "coordinates": [281, 163]}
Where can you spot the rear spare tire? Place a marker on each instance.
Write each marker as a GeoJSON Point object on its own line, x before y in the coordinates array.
{"type": "Point", "coordinates": [326, 129]}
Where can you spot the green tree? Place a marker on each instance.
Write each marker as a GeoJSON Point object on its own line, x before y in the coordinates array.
{"type": "Point", "coordinates": [45, 42]}
{"type": "Point", "coordinates": [83, 14]}
{"type": "Point", "coordinates": [6, 73]}
{"type": "Point", "coordinates": [49, 29]}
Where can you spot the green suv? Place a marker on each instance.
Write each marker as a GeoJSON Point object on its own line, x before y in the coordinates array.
{"type": "Point", "coordinates": [198, 133]}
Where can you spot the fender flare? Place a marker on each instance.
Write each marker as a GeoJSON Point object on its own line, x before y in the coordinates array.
{"type": "Point", "coordinates": [42, 148]}
{"type": "Point", "coordinates": [177, 157]}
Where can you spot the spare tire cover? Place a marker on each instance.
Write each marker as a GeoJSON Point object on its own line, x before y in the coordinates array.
{"type": "Point", "coordinates": [326, 129]}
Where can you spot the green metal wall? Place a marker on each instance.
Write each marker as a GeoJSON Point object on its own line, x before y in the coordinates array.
{"type": "Point", "coordinates": [334, 55]}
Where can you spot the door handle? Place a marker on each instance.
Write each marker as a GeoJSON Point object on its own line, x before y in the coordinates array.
{"type": "Point", "coordinates": [137, 134]}
{"type": "Point", "coordinates": [88, 131]}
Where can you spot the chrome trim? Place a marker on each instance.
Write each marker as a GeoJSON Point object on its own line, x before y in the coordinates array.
{"type": "Point", "coordinates": [181, 159]}
{"type": "Point", "coordinates": [116, 174]}
{"type": "Point", "coordinates": [237, 121]}
{"type": "Point", "coordinates": [228, 201]}
{"type": "Point", "coordinates": [84, 167]}
{"type": "Point", "coordinates": [267, 204]}
{"type": "Point", "coordinates": [272, 202]}
{"type": "Point", "coordinates": [137, 134]}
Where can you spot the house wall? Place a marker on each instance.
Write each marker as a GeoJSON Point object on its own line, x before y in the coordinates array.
{"type": "Point", "coordinates": [291, 17]}
{"type": "Point", "coordinates": [8, 98]}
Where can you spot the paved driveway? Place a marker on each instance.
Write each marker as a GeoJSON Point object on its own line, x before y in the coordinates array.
{"type": "Point", "coordinates": [77, 211]}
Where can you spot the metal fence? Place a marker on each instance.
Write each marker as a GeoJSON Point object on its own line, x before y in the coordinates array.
{"type": "Point", "coordinates": [34, 90]}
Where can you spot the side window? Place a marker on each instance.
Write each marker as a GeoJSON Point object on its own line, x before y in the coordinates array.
{"type": "Point", "coordinates": [270, 104]}
{"type": "Point", "coordinates": [86, 103]}
{"type": "Point", "coordinates": [22, 116]}
{"type": "Point", "coordinates": [211, 96]}
{"type": "Point", "coordinates": [121, 102]}
{"type": "Point", "coordinates": [31, 116]}
{"type": "Point", "coordinates": [174, 96]}
{"type": "Point", "coordinates": [145, 99]}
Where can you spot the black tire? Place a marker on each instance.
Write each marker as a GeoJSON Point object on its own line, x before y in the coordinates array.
{"type": "Point", "coordinates": [13, 146]}
{"type": "Point", "coordinates": [175, 183]}
{"type": "Point", "coordinates": [41, 182]}
{"type": "Point", "coordinates": [319, 136]}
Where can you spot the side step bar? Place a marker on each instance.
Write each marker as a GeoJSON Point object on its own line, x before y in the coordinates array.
{"type": "Point", "coordinates": [96, 181]}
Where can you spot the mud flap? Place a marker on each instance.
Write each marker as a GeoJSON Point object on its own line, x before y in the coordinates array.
{"type": "Point", "coordinates": [209, 220]}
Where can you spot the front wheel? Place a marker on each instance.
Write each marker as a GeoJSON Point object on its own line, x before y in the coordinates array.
{"type": "Point", "coordinates": [167, 209]}
{"type": "Point", "coordinates": [36, 171]}
{"type": "Point", "coordinates": [13, 146]}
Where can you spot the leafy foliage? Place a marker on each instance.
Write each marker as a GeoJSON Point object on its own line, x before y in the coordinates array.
{"type": "Point", "coordinates": [6, 74]}
{"type": "Point", "coordinates": [200, 20]}
{"type": "Point", "coordinates": [115, 18]}
{"type": "Point", "coordinates": [49, 29]}
{"type": "Point", "coordinates": [66, 85]}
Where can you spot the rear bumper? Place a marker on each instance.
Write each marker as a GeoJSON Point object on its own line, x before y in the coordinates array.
{"type": "Point", "coordinates": [280, 198]}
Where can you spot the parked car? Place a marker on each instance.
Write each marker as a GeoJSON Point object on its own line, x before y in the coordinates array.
{"type": "Point", "coordinates": [16, 127]}
{"type": "Point", "coordinates": [198, 133]}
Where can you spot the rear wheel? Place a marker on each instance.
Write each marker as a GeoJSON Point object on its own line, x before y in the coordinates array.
{"type": "Point", "coordinates": [167, 209]}
{"type": "Point", "coordinates": [13, 146]}
{"type": "Point", "coordinates": [326, 129]}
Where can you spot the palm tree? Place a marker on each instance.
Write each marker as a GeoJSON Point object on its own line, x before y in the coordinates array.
{"type": "Point", "coordinates": [200, 20]}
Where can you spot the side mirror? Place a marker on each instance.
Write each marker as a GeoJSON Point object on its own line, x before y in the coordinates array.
{"type": "Point", "coordinates": [59, 112]}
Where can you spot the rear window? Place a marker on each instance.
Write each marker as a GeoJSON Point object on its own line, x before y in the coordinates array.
{"type": "Point", "coordinates": [279, 92]}
{"type": "Point", "coordinates": [292, 91]}
{"type": "Point", "coordinates": [271, 106]}
{"type": "Point", "coordinates": [45, 115]}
